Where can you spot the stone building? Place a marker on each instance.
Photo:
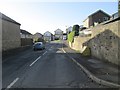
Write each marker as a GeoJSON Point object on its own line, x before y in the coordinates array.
{"type": "Point", "coordinates": [96, 18]}
{"type": "Point", "coordinates": [10, 33]}
{"type": "Point", "coordinates": [58, 34]}
{"type": "Point", "coordinates": [25, 34]}
{"type": "Point", "coordinates": [37, 37]}
{"type": "Point", "coordinates": [48, 36]}
{"type": "Point", "coordinates": [26, 38]}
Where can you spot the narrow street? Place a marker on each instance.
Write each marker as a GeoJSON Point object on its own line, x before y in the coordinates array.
{"type": "Point", "coordinates": [49, 68]}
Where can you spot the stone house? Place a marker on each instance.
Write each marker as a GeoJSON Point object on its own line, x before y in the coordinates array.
{"type": "Point", "coordinates": [96, 18]}
{"type": "Point", "coordinates": [25, 34]}
{"type": "Point", "coordinates": [37, 36]}
{"type": "Point", "coordinates": [10, 33]}
{"type": "Point", "coordinates": [48, 36]}
{"type": "Point", "coordinates": [58, 34]}
{"type": "Point", "coordinates": [26, 38]}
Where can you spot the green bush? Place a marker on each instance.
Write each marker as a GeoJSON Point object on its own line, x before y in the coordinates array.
{"type": "Point", "coordinates": [76, 29]}
{"type": "Point", "coordinates": [38, 40]}
{"type": "Point", "coordinates": [71, 36]}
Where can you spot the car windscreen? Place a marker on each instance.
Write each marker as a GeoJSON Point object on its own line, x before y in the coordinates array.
{"type": "Point", "coordinates": [38, 44]}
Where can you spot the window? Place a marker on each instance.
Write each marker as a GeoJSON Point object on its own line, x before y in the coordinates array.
{"type": "Point", "coordinates": [105, 18]}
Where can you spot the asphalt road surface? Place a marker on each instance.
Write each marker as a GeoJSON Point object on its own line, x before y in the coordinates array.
{"type": "Point", "coordinates": [49, 68]}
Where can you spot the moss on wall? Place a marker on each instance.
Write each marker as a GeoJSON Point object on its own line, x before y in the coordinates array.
{"type": "Point", "coordinates": [85, 51]}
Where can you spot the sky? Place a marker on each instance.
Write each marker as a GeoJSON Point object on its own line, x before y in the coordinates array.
{"type": "Point", "coordinates": [40, 17]}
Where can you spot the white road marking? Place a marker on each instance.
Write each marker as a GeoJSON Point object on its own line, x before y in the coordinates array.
{"type": "Point", "coordinates": [44, 53]}
{"type": "Point", "coordinates": [63, 50]}
{"type": "Point", "coordinates": [59, 51]}
{"type": "Point", "coordinates": [35, 60]}
{"type": "Point", "coordinates": [12, 83]}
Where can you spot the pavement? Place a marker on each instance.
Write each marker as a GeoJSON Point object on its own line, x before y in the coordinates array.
{"type": "Point", "coordinates": [9, 53]}
{"type": "Point", "coordinates": [98, 70]}
{"type": "Point", "coordinates": [49, 68]}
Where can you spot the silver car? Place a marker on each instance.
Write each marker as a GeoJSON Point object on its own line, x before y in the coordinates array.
{"type": "Point", "coordinates": [38, 46]}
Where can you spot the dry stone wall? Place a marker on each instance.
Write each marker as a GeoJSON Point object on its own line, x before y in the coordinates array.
{"type": "Point", "coordinates": [104, 42]}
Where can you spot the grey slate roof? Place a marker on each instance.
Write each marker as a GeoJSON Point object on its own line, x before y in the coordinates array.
{"type": "Point", "coordinates": [25, 32]}
{"type": "Point", "coordinates": [47, 32]}
{"type": "Point", "coordinates": [38, 33]}
{"type": "Point", "coordinates": [4, 17]}
{"type": "Point", "coordinates": [97, 12]}
{"type": "Point", "coordinates": [58, 29]}
{"type": "Point", "coordinates": [100, 11]}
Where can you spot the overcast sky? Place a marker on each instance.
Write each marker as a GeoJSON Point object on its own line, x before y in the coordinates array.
{"type": "Point", "coordinates": [39, 17]}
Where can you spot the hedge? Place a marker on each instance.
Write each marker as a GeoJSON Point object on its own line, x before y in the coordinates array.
{"type": "Point", "coordinates": [71, 36]}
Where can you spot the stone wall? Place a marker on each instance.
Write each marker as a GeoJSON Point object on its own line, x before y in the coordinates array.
{"type": "Point", "coordinates": [10, 35]}
{"type": "Point", "coordinates": [104, 42]}
{"type": "Point", "coordinates": [26, 41]}
{"type": "Point", "coordinates": [78, 42]}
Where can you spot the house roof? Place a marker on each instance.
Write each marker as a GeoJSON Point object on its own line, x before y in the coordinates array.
{"type": "Point", "coordinates": [38, 33]}
{"type": "Point", "coordinates": [25, 32]}
{"type": "Point", "coordinates": [69, 28]}
{"type": "Point", "coordinates": [97, 12]}
{"type": "Point", "coordinates": [47, 32]}
{"type": "Point", "coordinates": [4, 17]}
{"type": "Point", "coordinates": [58, 30]}
{"type": "Point", "coordinates": [115, 14]}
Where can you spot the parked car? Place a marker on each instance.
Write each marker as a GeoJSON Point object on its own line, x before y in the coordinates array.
{"type": "Point", "coordinates": [38, 46]}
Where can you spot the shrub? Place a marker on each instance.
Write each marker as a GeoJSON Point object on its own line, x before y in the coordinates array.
{"type": "Point", "coordinates": [38, 40]}
{"type": "Point", "coordinates": [76, 29]}
{"type": "Point", "coordinates": [71, 36]}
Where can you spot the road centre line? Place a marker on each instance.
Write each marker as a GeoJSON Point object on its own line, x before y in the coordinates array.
{"type": "Point", "coordinates": [44, 53]}
{"type": "Point", "coordinates": [9, 86]}
{"type": "Point", "coordinates": [35, 61]}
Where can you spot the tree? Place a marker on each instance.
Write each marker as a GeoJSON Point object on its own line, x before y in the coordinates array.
{"type": "Point", "coordinates": [76, 29]}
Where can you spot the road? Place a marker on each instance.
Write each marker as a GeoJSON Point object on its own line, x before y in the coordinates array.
{"type": "Point", "coordinates": [49, 68]}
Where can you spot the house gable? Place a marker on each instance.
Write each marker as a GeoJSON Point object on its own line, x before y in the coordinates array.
{"type": "Point", "coordinates": [47, 33]}
{"type": "Point", "coordinates": [6, 18]}
{"type": "Point", "coordinates": [25, 32]}
{"type": "Point", "coordinates": [97, 17]}
{"type": "Point", "coordinates": [58, 31]}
